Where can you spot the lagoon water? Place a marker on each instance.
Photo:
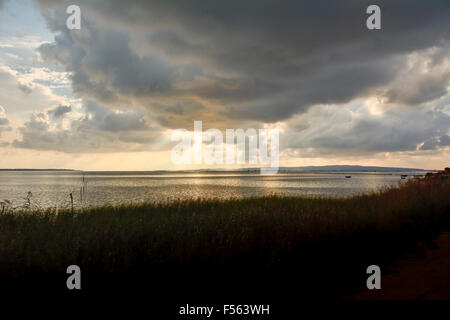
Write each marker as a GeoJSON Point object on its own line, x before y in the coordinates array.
{"type": "Point", "coordinates": [52, 189]}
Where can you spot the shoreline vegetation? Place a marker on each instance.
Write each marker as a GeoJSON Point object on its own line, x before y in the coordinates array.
{"type": "Point", "coordinates": [318, 247]}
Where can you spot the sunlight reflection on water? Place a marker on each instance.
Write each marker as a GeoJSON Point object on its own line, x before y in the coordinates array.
{"type": "Point", "coordinates": [51, 189]}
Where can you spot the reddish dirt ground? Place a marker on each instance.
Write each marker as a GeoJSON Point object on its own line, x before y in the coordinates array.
{"type": "Point", "coordinates": [416, 278]}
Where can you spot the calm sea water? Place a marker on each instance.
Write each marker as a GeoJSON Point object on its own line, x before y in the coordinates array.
{"type": "Point", "coordinates": [51, 189]}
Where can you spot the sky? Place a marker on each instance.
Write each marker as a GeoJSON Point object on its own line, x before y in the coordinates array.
{"type": "Point", "coordinates": [109, 96]}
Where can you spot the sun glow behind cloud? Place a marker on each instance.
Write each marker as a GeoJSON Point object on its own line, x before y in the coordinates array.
{"type": "Point", "coordinates": [126, 82]}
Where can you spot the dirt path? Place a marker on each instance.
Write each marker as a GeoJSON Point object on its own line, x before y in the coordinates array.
{"type": "Point", "coordinates": [425, 278]}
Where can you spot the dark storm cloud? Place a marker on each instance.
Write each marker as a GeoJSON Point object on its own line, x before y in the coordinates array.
{"type": "Point", "coordinates": [103, 65]}
{"type": "Point", "coordinates": [313, 52]}
{"type": "Point", "coordinates": [262, 61]}
{"type": "Point", "coordinates": [333, 84]}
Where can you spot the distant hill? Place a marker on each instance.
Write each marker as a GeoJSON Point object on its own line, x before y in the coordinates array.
{"type": "Point", "coordinates": [348, 168]}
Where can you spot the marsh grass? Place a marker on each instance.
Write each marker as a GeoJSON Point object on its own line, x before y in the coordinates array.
{"type": "Point", "coordinates": [306, 242]}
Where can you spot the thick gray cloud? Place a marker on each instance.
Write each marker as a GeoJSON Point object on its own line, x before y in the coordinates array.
{"type": "Point", "coordinates": [355, 130]}
{"type": "Point", "coordinates": [434, 143]}
{"type": "Point", "coordinates": [444, 141]}
{"type": "Point", "coordinates": [18, 103]}
{"type": "Point", "coordinates": [309, 52]}
{"type": "Point", "coordinates": [102, 118]}
{"type": "Point", "coordinates": [426, 78]}
{"type": "Point", "coordinates": [104, 67]}
{"type": "Point", "coordinates": [100, 130]}
{"type": "Point", "coordinates": [234, 62]}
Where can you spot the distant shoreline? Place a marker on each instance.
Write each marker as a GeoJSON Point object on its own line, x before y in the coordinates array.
{"type": "Point", "coordinates": [329, 168]}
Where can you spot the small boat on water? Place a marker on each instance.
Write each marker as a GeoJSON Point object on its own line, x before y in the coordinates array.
{"type": "Point", "coordinates": [348, 177]}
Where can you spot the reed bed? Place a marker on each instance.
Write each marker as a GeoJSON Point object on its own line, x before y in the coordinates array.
{"type": "Point", "coordinates": [271, 236]}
